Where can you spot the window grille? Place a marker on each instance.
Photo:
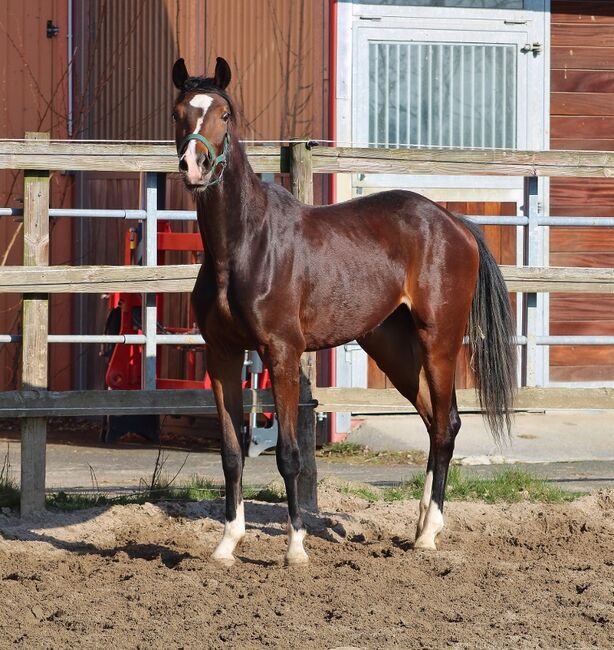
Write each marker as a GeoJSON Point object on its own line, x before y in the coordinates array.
{"type": "Point", "coordinates": [442, 94]}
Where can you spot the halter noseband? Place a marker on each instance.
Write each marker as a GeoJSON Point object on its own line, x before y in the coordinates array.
{"type": "Point", "coordinates": [216, 161]}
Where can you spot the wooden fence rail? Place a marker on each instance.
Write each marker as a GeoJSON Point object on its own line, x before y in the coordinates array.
{"type": "Point", "coordinates": [300, 159]}
{"type": "Point", "coordinates": [181, 277]}
{"type": "Point", "coordinates": [85, 156]}
{"type": "Point", "coordinates": [43, 403]}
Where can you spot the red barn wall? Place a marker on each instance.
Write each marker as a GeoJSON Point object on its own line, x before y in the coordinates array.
{"type": "Point", "coordinates": [582, 117]}
{"type": "Point", "coordinates": [278, 53]}
{"type": "Point", "coordinates": [34, 98]}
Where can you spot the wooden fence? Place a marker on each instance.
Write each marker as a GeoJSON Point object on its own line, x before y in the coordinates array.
{"type": "Point", "coordinates": [38, 156]}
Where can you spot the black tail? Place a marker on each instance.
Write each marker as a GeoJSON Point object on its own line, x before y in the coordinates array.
{"type": "Point", "coordinates": [491, 332]}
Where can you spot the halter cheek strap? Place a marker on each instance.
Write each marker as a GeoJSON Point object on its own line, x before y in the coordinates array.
{"type": "Point", "coordinates": [216, 161]}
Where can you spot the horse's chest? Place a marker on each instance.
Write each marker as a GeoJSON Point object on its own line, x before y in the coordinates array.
{"type": "Point", "coordinates": [219, 321]}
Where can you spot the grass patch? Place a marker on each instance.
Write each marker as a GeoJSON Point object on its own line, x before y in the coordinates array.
{"type": "Point", "coordinates": [275, 492]}
{"type": "Point", "coordinates": [507, 486]}
{"type": "Point", "coordinates": [9, 490]}
{"type": "Point", "coordinates": [196, 488]}
{"type": "Point", "coordinates": [361, 491]}
{"type": "Point", "coordinates": [352, 452]}
{"type": "Point", "coordinates": [9, 494]}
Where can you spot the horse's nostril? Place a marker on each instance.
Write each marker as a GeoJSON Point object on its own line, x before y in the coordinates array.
{"type": "Point", "coordinates": [183, 165]}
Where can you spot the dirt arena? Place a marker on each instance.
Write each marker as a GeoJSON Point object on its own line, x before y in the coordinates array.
{"type": "Point", "coordinates": [513, 576]}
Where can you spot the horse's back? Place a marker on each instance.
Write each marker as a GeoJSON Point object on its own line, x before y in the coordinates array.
{"type": "Point", "coordinates": [362, 258]}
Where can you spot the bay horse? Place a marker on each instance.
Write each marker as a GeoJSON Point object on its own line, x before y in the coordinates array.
{"type": "Point", "coordinates": [395, 271]}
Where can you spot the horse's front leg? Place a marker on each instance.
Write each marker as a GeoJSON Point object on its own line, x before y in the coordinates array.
{"type": "Point", "coordinates": [225, 372]}
{"type": "Point", "coordinates": [283, 362]}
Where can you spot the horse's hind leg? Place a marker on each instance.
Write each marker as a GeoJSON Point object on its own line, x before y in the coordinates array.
{"type": "Point", "coordinates": [441, 340]}
{"type": "Point", "coordinates": [398, 349]}
{"type": "Point", "coordinates": [395, 347]}
{"type": "Point", "coordinates": [425, 501]}
{"type": "Point", "coordinates": [225, 373]}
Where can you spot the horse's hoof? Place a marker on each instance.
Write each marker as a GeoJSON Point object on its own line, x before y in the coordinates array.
{"type": "Point", "coordinates": [425, 543]}
{"type": "Point", "coordinates": [297, 559]}
{"type": "Point", "coordinates": [224, 560]}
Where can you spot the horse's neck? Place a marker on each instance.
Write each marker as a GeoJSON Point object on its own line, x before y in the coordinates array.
{"type": "Point", "coordinates": [228, 212]}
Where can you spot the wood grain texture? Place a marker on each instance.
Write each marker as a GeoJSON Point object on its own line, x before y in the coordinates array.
{"type": "Point", "coordinates": [99, 279]}
{"type": "Point", "coordinates": [592, 104]}
{"type": "Point", "coordinates": [587, 260]}
{"type": "Point", "coordinates": [301, 179]}
{"type": "Point", "coordinates": [582, 12]}
{"type": "Point", "coordinates": [581, 126]}
{"type": "Point", "coordinates": [582, 81]}
{"type": "Point", "coordinates": [590, 355]}
{"type": "Point", "coordinates": [327, 400]}
{"type": "Point", "coordinates": [581, 192]}
{"type": "Point", "coordinates": [576, 34]}
{"type": "Point", "coordinates": [135, 158]}
{"type": "Point", "coordinates": [455, 162]}
{"type": "Point", "coordinates": [588, 307]}
{"type": "Point", "coordinates": [580, 240]}
{"type": "Point", "coordinates": [86, 156]}
{"type": "Point", "coordinates": [181, 277]}
{"type": "Point", "coordinates": [582, 327]}
{"type": "Point", "coordinates": [570, 210]}
{"type": "Point", "coordinates": [588, 144]}
{"type": "Point", "coordinates": [557, 280]}
{"type": "Point", "coordinates": [582, 58]}
{"type": "Point", "coordinates": [582, 373]}
{"type": "Point", "coordinates": [35, 327]}
{"type": "Point", "coordinates": [369, 400]}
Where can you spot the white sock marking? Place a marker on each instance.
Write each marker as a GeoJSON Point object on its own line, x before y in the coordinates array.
{"type": "Point", "coordinates": [296, 553]}
{"type": "Point", "coordinates": [426, 499]}
{"type": "Point", "coordinates": [233, 533]}
{"type": "Point", "coordinates": [433, 525]}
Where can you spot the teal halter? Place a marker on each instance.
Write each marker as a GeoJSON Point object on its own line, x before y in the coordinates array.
{"type": "Point", "coordinates": [215, 160]}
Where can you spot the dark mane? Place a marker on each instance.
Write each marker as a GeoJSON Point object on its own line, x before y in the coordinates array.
{"type": "Point", "coordinates": [208, 85]}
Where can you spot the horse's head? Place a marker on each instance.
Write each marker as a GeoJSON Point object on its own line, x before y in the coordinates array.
{"type": "Point", "coordinates": [202, 115]}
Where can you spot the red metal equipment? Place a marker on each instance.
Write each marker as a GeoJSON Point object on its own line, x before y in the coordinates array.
{"type": "Point", "coordinates": [124, 366]}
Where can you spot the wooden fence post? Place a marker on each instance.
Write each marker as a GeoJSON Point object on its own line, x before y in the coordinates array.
{"type": "Point", "coordinates": [35, 327]}
{"type": "Point", "coordinates": [301, 175]}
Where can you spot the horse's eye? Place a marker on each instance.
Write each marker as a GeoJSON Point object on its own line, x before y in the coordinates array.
{"type": "Point", "coordinates": [225, 116]}
{"type": "Point", "coordinates": [175, 116]}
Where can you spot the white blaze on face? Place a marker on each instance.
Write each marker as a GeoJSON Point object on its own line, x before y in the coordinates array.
{"type": "Point", "coordinates": [203, 102]}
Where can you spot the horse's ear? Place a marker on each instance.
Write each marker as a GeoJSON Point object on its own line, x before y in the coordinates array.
{"type": "Point", "coordinates": [180, 73]}
{"type": "Point", "coordinates": [222, 73]}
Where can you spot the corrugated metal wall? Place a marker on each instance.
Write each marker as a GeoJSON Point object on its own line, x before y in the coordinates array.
{"type": "Point", "coordinates": [33, 98]}
{"type": "Point", "coordinates": [277, 50]}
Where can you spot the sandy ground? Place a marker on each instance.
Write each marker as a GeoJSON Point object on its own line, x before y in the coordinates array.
{"type": "Point", "coordinates": [513, 576]}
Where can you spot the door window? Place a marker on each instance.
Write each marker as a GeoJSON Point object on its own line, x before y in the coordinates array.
{"type": "Point", "coordinates": [442, 94]}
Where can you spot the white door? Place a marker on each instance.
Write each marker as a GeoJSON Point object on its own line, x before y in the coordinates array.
{"type": "Point", "coordinates": [441, 73]}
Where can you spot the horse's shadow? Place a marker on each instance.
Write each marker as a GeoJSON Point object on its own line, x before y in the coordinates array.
{"type": "Point", "coordinates": [260, 516]}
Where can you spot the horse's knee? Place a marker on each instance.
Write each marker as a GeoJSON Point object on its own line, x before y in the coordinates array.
{"type": "Point", "coordinates": [232, 463]}
{"type": "Point", "coordinates": [288, 459]}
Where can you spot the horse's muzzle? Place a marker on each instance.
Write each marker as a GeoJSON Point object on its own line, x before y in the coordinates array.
{"type": "Point", "coordinates": [194, 167]}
